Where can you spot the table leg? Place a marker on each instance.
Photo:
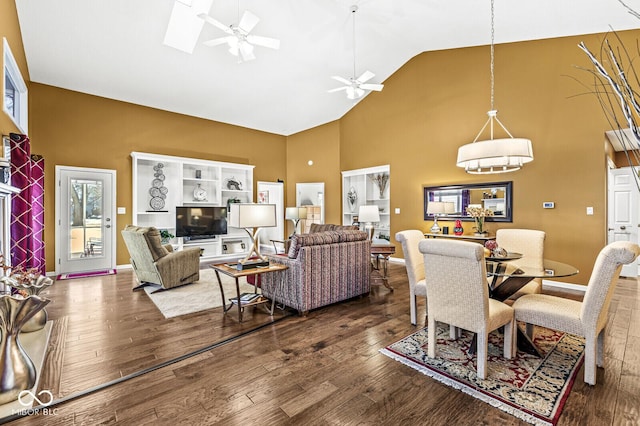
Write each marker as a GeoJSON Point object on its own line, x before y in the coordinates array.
{"type": "Point", "coordinates": [385, 269]}
{"type": "Point", "coordinates": [224, 300]}
{"type": "Point", "coordinates": [279, 286]}
{"type": "Point", "coordinates": [239, 304]}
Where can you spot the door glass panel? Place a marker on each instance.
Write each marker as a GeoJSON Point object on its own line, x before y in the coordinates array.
{"type": "Point", "coordinates": [86, 216]}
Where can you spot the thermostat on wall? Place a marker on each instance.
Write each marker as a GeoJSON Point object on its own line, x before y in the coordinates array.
{"type": "Point", "coordinates": [548, 205]}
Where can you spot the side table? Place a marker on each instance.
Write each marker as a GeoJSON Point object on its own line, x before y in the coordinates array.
{"type": "Point", "coordinates": [383, 251]}
{"type": "Point", "coordinates": [230, 271]}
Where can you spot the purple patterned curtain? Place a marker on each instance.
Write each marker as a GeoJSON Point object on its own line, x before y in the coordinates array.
{"type": "Point", "coordinates": [27, 207]}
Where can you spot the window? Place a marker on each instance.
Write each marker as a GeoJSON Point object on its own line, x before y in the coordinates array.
{"type": "Point", "coordinates": [15, 91]}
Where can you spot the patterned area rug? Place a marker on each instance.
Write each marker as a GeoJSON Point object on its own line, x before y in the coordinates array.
{"type": "Point", "coordinates": [199, 296]}
{"type": "Point", "coordinates": [531, 388]}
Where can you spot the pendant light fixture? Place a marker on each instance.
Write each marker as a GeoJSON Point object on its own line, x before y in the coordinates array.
{"type": "Point", "coordinates": [494, 155]}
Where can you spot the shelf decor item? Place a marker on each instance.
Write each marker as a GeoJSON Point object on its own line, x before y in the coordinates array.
{"type": "Point", "coordinates": [458, 229]}
{"type": "Point", "coordinates": [479, 214]}
{"type": "Point", "coordinates": [234, 184]}
{"type": "Point", "coordinates": [381, 180]}
{"type": "Point", "coordinates": [352, 199]}
{"type": "Point", "coordinates": [158, 191]}
{"type": "Point", "coordinates": [19, 372]}
{"type": "Point", "coordinates": [199, 193]}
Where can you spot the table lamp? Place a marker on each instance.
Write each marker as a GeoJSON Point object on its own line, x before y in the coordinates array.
{"type": "Point", "coordinates": [252, 218]}
{"type": "Point", "coordinates": [369, 215]}
{"type": "Point", "coordinates": [437, 208]}
{"type": "Point", "coordinates": [294, 214]}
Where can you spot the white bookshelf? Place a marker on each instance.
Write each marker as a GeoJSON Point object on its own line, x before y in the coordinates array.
{"type": "Point", "coordinates": [368, 193]}
{"type": "Point", "coordinates": [219, 181]}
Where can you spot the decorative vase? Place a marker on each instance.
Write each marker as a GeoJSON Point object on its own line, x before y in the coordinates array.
{"type": "Point", "coordinates": [352, 198]}
{"type": "Point", "coordinates": [17, 372]}
{"type": "Point", "coordinates": [458, 229]}
{"type": "Point", "coordinates": [32, 285]}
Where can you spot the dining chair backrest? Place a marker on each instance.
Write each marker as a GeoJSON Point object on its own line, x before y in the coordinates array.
{"type": "Point", "coordinates": [605, 274]}
{"type": "Point", "coordinates": [412, 257]}
{"type": "Point", "coordinates": [528, 242]}
{"type": "Point", "coordinates": [455, 274]}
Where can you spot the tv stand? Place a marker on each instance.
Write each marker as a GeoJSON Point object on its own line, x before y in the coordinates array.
{"type": "Point", "coordinates": [216, 183]}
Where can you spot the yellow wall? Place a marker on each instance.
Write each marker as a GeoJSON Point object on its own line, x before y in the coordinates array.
{"type": "Point", "coordinates": [10, 29]}
{"type": "Point", "coordinates": [438, 102]}
{"type": "Point", "coordinates": [428, 108]}
{"type": "Point", "coordinates": [74, 129]}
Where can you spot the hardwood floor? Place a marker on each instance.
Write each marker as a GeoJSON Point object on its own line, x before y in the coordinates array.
{"type": "Point", "coordinates": [316, 370]}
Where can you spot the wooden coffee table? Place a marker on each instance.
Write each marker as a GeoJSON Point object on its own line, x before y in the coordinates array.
{"type": "Point", "coordinates": [382, 251]}
{"type": "Point", "coordinates": [230, 271]}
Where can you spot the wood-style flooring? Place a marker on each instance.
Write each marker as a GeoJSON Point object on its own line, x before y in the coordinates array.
{"type": "Point", "coordinates": [322, 369]}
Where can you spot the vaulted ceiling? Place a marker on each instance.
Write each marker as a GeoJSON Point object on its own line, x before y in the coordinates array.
{"type": "Point", "coordinates": [114, 49]}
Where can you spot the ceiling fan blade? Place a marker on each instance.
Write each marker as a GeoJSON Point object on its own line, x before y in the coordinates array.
{"type": "Point", "coordinates": [341, 80]}
{"type": "Point", "coordinates": [246, 50]}
{"type": "Point", "coordinates": [337, 89]}
{"type": "Point", "coordinates": [372, 86]}
{"type": "Point", "coordinates": [271, 43]}
{"type": "Point", "coordinates": [215, 23]}
{"type": "Point", "coordinates": [248, 21]}
{"type": "Point", "coordinates": [218, 41]}
{"type": "Point", "coordinates": [366, 76]}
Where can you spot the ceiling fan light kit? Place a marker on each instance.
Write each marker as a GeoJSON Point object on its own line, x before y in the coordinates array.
{"type": "Point", "coordinates": [494, 155]}
{"type": "Point", "coordinates": [356, 87]}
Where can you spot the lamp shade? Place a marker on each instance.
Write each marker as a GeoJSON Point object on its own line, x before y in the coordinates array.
{"type": "Point", "coordinates": [495, 155]}
{"type": "Point", "coordinates": [252, 215]}
{"type": "Point", "coordinates": [440, 207]}
{"type": "Point", "coordinates": [295, 213]}
{"type": "Point", "coordinates": [369, 214]}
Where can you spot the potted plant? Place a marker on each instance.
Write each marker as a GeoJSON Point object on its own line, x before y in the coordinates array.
{"type": "Point", "coordinates": [166, 236]}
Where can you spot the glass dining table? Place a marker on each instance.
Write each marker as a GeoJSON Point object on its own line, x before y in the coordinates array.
{"type": "Point", "coordinates": [507, 276]}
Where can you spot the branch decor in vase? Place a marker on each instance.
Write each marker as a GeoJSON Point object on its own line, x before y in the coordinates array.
{"type": "Point", "coordinates": [381, 180]}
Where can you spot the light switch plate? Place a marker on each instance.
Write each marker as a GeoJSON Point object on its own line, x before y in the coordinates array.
{"type": "Point", "coordinates": [122, 210]}
{"type": "Point", "coordinates": [590, 211]}
{"type": "Point", "coordinates": [397, 210]}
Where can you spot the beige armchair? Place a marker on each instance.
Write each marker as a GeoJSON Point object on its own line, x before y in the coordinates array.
{"type": "Point", "coordinates": [155, 264]}
{"type": "Point", "coordinates": [589, 317]}
{"type": "Point", "coordinates": [414, 263]}
{"type": "Point", "coordinates": [458, 295]}
{"type": "Point", "coordinates": [529, 243]}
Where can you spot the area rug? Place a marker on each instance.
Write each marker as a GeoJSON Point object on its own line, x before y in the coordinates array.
{"type": "Point", "coordinates": [87, 274]}
{"type": "Point", "coordinates": [531, 388]}
{"type": "Point", "coordinates": [199, 296]}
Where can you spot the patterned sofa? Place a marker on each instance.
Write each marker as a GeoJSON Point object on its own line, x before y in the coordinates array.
{"type": "Point", "coordinates": [324, 268]}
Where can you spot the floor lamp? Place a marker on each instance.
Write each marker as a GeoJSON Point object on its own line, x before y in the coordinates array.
{"type": "Point", "coordinates": [294, 214]}
{"type": "Point", "coordinates": [369, 215]}
{"type": "Point", "coordinates": [252, 218]}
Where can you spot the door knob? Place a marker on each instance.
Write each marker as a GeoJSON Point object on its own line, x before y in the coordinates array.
{"type": "Point", "coordinates": [108, 226]}
{"type": "Point", "coordinates": [623, 227]}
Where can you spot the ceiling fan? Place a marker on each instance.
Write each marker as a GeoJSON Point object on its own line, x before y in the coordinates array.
{"type": "Point", "coordinates": [356, 87]}
{"type": "Point", "coordinates": [239, 38]}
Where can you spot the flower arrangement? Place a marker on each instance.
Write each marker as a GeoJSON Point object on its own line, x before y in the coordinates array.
{"type": "Point", "coordinates": [479, 214]}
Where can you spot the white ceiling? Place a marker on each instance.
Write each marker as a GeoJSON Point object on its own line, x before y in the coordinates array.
{"type": "Point", "coordinates": [114, 49]}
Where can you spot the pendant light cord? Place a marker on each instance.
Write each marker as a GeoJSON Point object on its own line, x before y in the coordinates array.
{"type": "Point", "coordinates": [354, 8]}
{"type": "Point", "coordinates": [492, 53]}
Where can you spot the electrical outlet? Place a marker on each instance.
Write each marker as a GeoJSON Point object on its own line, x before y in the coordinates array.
{"type": "Point", "coordinates": [548, 205]}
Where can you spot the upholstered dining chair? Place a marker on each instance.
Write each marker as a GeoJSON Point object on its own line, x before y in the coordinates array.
{"type": "Point", "coordinates": [457, 294]}
{"type": "Point", "coordinates": [589, 317]}
{"type": "Point", "coordinates": [529, 243]}
{"type": "Point", "coordinates": [414, 262]}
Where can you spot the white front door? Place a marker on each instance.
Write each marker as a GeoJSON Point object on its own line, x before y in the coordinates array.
{"type": "Point", "coordinates": [623, 211]}
{"type": "Point", "coordinates": [85, 218]}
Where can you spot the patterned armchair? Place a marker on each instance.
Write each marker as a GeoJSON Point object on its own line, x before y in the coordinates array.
{"type": "Point", "coordinates": [324, 268]}
{"type": "Point", "coordinates": [156, 264]}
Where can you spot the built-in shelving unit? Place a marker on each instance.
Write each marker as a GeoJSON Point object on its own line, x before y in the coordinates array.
{"type": "Point", "coordinates": [362, 183]}
{"type": "Point", "coordinates": [190, 182]}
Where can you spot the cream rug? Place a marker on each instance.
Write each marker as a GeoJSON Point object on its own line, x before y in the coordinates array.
{"type": "Point", "coordinates": [199, 296]}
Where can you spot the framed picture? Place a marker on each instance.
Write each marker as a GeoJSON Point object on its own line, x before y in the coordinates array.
{"type": "Point", "coordinates": [263, 197]}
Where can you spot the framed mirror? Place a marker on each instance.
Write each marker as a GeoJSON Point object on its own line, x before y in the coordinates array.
{"type": "Point", "coordinates": [495, 196]}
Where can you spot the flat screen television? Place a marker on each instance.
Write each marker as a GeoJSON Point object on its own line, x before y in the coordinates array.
{"type": "Point", "coordinates": [200, 222]}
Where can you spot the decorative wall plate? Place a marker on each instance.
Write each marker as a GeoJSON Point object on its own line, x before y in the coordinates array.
{"type": "Point", "coordinates": [156, 203]}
